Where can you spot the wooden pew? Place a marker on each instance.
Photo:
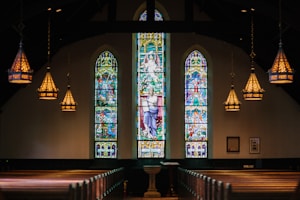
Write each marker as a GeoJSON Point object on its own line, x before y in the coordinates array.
{"type": "Point", "coordinates": [40, 184]}
{"type": "Point", "coordinates": [243, 184]}
{"type": "Point", "coordinates": [238, 184]}
{"type": "Point", "coordinates": [60, 184]}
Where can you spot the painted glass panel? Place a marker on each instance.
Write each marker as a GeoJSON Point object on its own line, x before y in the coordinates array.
{"type": "Point", "coordinates": [151, 149]}
{"type": "Point", "coordinates": [106, 149]}
{"type": "Point", "coordinates": [195, 106]}
{"type": "Point", "coordinates": [196, 149]}
{"type": "Point", "coordinates": [106, 112]}
{"type": "Point", "coordinates": [151, 119]}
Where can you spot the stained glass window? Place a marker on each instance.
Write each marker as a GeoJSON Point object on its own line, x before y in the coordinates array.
{"type": "Point", "coordinates": [106, 113]}
{"type": "Point", "coordinates": [195, 105]}
{"type": "Point", "coordinates": [151, 119]}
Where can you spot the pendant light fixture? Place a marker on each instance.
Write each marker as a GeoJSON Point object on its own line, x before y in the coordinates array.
{"type": "Point", "coordinates": [20, 71]}
{"type": "Point", "coordinates": [232, 104]}
{"type": "Point", "coordinates": [281, 71]}
{"type": "Point", "coordinates": [252, 90]}
{"type": "Point", "coordinates": [68, 104]}
{"type": "Point", "coordinates": [48, 90]}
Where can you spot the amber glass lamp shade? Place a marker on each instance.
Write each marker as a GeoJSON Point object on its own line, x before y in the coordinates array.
{"type": "Point", "coordinates": [281, 71]}
{"type": "Point", "coordinates": [20, 71]}
{"type": "Point", "coordinates": [68, 104]}
{"type": "Point", "coordinates": [48, 90]}
{"type": "Point", "coordinates": [232, 103]}
{"type": "Point", "coordinates": [253, 91]}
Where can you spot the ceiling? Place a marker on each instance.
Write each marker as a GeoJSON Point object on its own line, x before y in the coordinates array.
{"type": "Point", "coordinates": [228, 23]}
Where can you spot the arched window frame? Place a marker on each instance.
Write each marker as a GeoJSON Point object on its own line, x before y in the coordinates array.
{"type": "Point", "coordinates": [151, 49]}
{"type": "Point", "coordinates": [196, 105]}
{"type": "Point", "coordinates": [106, 106]}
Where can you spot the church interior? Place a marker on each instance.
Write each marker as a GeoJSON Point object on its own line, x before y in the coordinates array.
{"type": "Point", "coordinates": [148, 99]}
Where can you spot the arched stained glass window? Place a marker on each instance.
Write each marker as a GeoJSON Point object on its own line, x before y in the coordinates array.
{"type": "Point", "coordinates": [195, 106]}
{"type": "Point", "coordinates": [151, 120]}
{"type": "Point", "coordinates": [106, 113]}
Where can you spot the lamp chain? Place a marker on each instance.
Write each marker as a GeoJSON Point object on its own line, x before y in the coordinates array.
{"type": "Point", "coordinates": [68, 77]}
{"type": "Point", "coordinates": [279, 24]}
{"type": "Point", "coordinates": [252, 54]}
{"type": "Point", "coordinates": [68, 74]}
{"type": "Point", "coordinates": [21, 24]}
{"type": "Point", "coordinates": [232, 73]}
{"type": "Point", "coordinates": [49, 40]}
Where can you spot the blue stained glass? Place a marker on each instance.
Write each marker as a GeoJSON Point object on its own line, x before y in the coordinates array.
{"type": "Point", "coordinates": [195, 114]}
{"type": "Point", "coordinates": [106, 98]}
{"type": "Point", "coordinates": [106, 114]}
{"type": "Point", "coordinates": [105, 102]}
{"type": "Point", "coordinates": [196, 149]}
{"type": "Point", "coordinates": [157, 16]}
{"type": "Point", "coordinates": [105, 131]}
{"type": "Point", "coordinates": [105, 149]}
{"type": "Point", "coordinates": [195, 78]}
{"type": "Point", "coordinates": [194, 132]}
{"type": "Point", "coordinates": [196, 97]}
{"type": "Point", "coordinates": [196, 105]}
{"type": "Point", "coordinates": [151, 118]}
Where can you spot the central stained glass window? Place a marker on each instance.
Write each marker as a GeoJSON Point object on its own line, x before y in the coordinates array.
{"type": "Point", "coordinates": [151, 111]}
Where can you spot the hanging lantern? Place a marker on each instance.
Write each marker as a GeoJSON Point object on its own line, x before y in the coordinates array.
{"type": "Point", "coordinates": [252, 90]}
{"type": "Point", "coordinates": [48, 90]}
{"type": "Point", "coordinates": [68, 104]}
{"type": "Point", "coordinates": [281, 71]}
{"type": "Point", "coordinates": [20, 71]}
{"type": "Point", "coordinates": [232, 103]}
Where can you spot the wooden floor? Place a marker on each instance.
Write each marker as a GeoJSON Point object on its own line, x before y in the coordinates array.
{"type": "Point", "coordinates": [147, 198]}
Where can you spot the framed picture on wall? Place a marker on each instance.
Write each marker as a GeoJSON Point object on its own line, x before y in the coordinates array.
{"type": "Point", "coordinates": [233, 144]}
{"type": "Point", "coordinates": [254, 144]}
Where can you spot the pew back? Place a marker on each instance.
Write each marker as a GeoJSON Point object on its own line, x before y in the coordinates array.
{"type": "Point", "coordinates": [60, 184]}
{"type": "Point", "coordinates": [239, 184]}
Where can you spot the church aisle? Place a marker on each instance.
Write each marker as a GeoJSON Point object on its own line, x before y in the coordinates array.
{"type": "Point", "coordinates": [150, 198]}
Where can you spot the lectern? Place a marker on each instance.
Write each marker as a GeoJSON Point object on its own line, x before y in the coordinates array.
{"type": "Point", "coordinates": [171, 166]}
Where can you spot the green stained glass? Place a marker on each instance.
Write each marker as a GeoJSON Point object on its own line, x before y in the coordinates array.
{"type": "Point", "coordinates": [195, 106]}
{"type": "Point", "coordinates": [151, 118]}
{"type": "Point", "coordinates": [105, 102]}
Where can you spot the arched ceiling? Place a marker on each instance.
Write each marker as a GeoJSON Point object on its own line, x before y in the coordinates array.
{"type": "Point", "coordinates": [228, 23]}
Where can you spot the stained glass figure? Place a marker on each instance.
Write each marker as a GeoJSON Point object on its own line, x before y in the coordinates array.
{"type": "Point", "coordinates": [151, 120]}
{"type": "Point", "coordinates": [105, 107]}
{"type": "Point", "coordinates": [195, 106]}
